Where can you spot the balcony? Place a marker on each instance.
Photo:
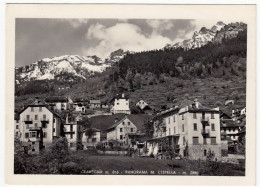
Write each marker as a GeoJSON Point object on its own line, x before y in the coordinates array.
{"type": "Point", "coordinates": [34, 139]}
{"type": "Point", "coordinates": [35, 128]}
{"type": "Point", "coordinates": [204, 120]}
{"type": "Point", "coordinates": [28, 121]}
{"type": "Point", "coordinates": [44, 121]}
{"type": "Point", "coordinates": [177, 147]}
{"type": "Point", "coordinates": [205, 131]}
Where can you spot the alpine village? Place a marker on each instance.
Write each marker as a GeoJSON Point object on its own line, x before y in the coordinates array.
{"type": "Point", "coordinates": [178, 110]}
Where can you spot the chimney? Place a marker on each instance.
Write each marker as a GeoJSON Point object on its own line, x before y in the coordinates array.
{"type": "Point", "coordinates": [196, 103]}
{"type": "Point", "coordinates": [36, 100]}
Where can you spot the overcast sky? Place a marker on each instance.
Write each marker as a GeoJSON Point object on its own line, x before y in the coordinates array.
{"type": "Point", "coordinates": [40, 38]}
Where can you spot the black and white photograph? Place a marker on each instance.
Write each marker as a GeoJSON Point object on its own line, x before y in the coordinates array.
{"type": "Point", "coordinates": [130, 96]}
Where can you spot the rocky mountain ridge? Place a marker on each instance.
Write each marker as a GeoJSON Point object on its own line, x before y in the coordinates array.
{"type": "Point", "coordinates": [217, 33]}
{"type": "Point", "coordinates": [79, 67]}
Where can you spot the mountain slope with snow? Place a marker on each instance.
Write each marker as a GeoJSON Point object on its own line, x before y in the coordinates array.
{"type": "Point", "coordinates": [78, 67]}
{"type": "Point", "coordinates": [204, 36]}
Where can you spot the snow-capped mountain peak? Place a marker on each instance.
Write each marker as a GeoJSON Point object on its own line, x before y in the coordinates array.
{"type": "Point", "coordinates": [79, 67]}
{"type": "Point", "coordinates": [200, 38]}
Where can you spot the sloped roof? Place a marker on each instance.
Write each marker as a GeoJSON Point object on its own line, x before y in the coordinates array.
{"type": "Point", "coordinates": [105, 122]}
{"type": "Point", "coordinates": [95, 102]}
{"type": "Point", "coordinates": [147, 107]}
{"type": "Point", "coordinates": [56, 99]}
{"type": "Point", "coordinates": [38, 105]}
{"type": "Point", "coordinates": [119, 96]}
{"type": "Point", "coordinates": [229, 123]}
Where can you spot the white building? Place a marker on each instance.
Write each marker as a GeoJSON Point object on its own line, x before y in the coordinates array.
{"type": "Point", "coordinates": [141, 104]}
{"type": "Point", "coordinates": [190, 129]}
{"type": "Point", "coordinates": [72, 131]}
{"type": "Point", "coordinates": [120, 129]}
{"type": "Point", "coordinates": [59, 103]}
{"type": "Point", "coordinates": [93, 140]}
{"type": "Point", "coordinates": [120, 104]}
{"type": "Point", "coordinates": [38, 126]}
{"type": "Point", "coordinates": [80, 108]}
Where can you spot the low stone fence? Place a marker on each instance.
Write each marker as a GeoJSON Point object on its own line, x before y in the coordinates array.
{"type": "Point", "coordinates": [121, 153]}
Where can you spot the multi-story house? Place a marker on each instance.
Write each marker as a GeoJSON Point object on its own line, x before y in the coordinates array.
{"type": "Point", "coordinates": [120, 104]}
{"type": "Point", "coordinates": [39, 126]}
{"type": "Point", "coordinates": [230, 129]}
{"type": "Point", "coordinates": [91, 137]}
{"type": "Point", "coordinates": [73, 132]}
{"type": "Point", "coordinates": [79, 107]}
{"type": "Point", "coordinates": [59, 103]}
{"type": "Point", "coordinates": [94, 104]}
{"type": "Point", "coordinates": [192, 130]}
{"type": "Point", "coordinates": [120, 129]}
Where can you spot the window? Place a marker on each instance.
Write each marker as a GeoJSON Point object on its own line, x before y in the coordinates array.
{"type": "Point", "coordinates": [33, 134]}
{"type": "Point", "coordinates": [204, 140]}
{"type": "Point", "coordinates": [94, 140]}
{"type": "Point", "coordinates": [121, 137]}
{"type": "Point", "coordinates": [36, 125]}
{"type": "Point", "coordinates": [27, 117]}
{"type": "Point", "coordinates": [26, 135]}
{"type": "Point", "coordinates": [31, 109]}
{"type": "Point", "coordinates": [194, 116]}
{"type": "Point", "coordinates": [174, 118]}
{"type": "Point", "coordinates": [53, 120]}
{"type": "Point", "coordinates": [33, 143]}
{"type": "Point", "coordinates": [33, 150]}
{"type": "Point", "coordinates": [71, 136]}
{"type": "Point", "coordinates": [195, 127]}
{"type": "Point", "coordinates": [126, 103]}
{"type": "Point", "coordinates": [27, 126]}
{"type": "Point", "coordinates": [117, 103]}
{"type": "Point", "coordinates": [40, 108]}
{"type": "Point", "coordinates": [182, 116]}
{"type": "Point", "coordinates": [17, 127]}
{"type": "Point", "coordinates": [195, 140]}
{"type": "Point", "coordinates": [233, 130]}
{"type": "Point", "coordinates": [183, 140]}
{"type": "Point", "coordinates": [44, 125]}
{"type": "Point", "coordinates": [182, 127]}
{"type": "Point", "coordinates": [121, 129]}
{"type": "Point", "coordinates": [213, 140]}
{"type": "Point", "coordinates": [132, 130]}
{"type": "Point", "coordinates": [128, 123]}
{"type": "Point", "coordinates": [212, 115]}
{"type": "Point", "coordinates": [44, 134]}
{"type": "Point", "coordinates": [205, 152]}
{"type": "Point", "coordinates": [44, 116]}
{"type": "Point", "coordinates": [71, 127]}
{"type": "Point", "coordinates": [36, 117]}
{"type": "Point", "coordinates": [53, 129]}
{"type": "Point", "coordinates": [123, 123]}
{"type": "Point", "coordinates": [169, 120]}
{"type": "Point", "coordinates": [213, 127]}
{"type": "Point", "coordinates": [174, 130]}
{"type": "Point", "coordinates": [16, 133]}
